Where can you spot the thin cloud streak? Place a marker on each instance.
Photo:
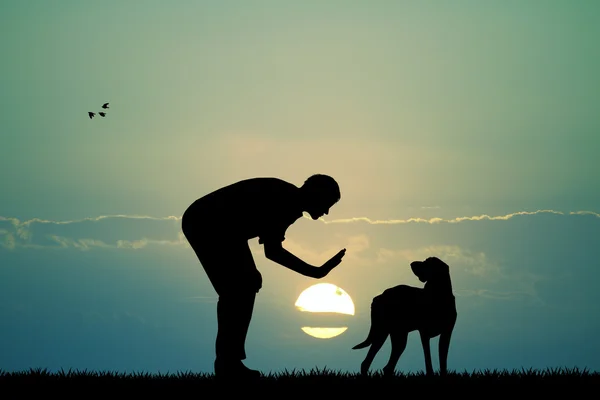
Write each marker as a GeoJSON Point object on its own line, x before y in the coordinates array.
{"type": "Point", "coordinates": [16, 222]}
{"type": "Point", "coordinates": [15, 233]}
{"type": "Point", "coordinates": [585, 213]}
{"type": "Point", "coordinates": [437, 220]}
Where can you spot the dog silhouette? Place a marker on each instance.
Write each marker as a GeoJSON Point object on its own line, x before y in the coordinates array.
{"type": "Point", "coordinates": [402, 309]}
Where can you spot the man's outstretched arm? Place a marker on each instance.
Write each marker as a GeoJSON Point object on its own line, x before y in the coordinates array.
{"type": "Point", "coordinates": [274, 251]}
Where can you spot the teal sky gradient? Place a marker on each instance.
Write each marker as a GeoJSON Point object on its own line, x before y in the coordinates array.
{"type": "Point", "coordinates": [420, 109]}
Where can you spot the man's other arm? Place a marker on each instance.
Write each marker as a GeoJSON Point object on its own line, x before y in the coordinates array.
{"type": "Point", "coordinates": [274, 251]}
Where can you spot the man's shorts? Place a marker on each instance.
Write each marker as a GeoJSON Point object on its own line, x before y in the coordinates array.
{"type": "Point", "coordinates": [228, 261]}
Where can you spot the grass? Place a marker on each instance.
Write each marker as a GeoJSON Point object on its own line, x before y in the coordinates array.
{"type": "Point", "coordinates": [315, 381]}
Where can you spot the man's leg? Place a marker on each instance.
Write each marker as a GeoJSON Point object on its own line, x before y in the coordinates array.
{"type": "Point", "coordinates": [245, 317]}
{"type": "Point", "coordinates": [234, 313]}
{"type": "Point", "coordinates": [231, 270]}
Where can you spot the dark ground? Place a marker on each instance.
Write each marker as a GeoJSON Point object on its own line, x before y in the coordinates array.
{"type": "Point", "coordinates": [313, 383]}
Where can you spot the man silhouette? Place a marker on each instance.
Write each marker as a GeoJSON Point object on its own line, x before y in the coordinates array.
{"type": "Point", "coordinates": [218, 227]}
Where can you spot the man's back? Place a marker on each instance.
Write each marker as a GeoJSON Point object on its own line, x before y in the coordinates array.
{"type": "Point", "coordinates": [247, 209]}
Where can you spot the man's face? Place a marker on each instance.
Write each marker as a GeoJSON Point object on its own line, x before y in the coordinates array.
{"type": "Point", "coordinates": [320, 208]}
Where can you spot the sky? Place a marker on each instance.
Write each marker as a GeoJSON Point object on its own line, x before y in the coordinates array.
{"type": "Point", "coordinates": [465, 130]}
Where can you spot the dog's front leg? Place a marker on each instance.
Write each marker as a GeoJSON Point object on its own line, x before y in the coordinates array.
{"type": "Point", "coordinates": [444, 346]}
{"type": "Point", "coordinates": [427, 353]}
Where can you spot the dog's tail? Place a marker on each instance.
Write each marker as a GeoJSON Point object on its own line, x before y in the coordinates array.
{"type": "Point", "coordinates": [366, 343]}
{"type": "Point", "coordinates": [375, 323]}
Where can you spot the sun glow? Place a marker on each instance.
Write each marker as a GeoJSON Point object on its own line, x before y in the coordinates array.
{"type": "Point", "coordinates": [323, 333]}
{"type": "Point", "coordinates": [325, 297]}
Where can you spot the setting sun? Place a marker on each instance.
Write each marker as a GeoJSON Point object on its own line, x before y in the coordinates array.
{"type": "Point", "coordinates": [325, 297]}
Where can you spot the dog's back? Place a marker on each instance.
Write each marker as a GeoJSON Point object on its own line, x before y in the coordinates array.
{"type": "Point", "coordinates": [392, 306]}
{"type": "Point", "coordinates": [399, 302]}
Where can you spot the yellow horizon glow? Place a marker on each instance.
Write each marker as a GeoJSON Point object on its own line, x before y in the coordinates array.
{"type": "Point", "coordinates": [323, 333]}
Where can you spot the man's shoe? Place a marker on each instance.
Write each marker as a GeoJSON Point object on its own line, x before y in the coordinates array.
{"type": "Point", "coordinates": [234, 369]}
{"type": "Point", "coordinates": [247, 372]}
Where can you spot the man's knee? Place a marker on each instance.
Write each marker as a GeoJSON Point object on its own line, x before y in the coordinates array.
{"type": "Point", "coordinates": [238, 290]}
{"type": "Point", "coordinates": [230, 269]}
{"type": "Point", "coordinates": [233, 283]}
{"type": "Point", "coordinates": [237, 305]}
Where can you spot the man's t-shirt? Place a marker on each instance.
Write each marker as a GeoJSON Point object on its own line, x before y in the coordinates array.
{"type": "Point", "coordinates": [257, 207]}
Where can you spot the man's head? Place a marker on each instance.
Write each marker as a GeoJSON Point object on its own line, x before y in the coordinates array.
{"type": "Point", "coordinates": [319, 193]}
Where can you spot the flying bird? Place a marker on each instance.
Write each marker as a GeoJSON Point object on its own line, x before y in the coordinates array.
{"type": "Point", "coordinates": [105, 105]}
{"type": "Point", "coordinates": [91, 114]}
{"type": "Point", "coordinates": [102, 114]}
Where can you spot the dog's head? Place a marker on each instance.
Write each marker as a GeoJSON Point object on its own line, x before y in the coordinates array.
{"type": "Point", "coordinates": [432, 268]}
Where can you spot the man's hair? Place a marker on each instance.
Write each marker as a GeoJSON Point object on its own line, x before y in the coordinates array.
{"type": "Point", "coordinates": [323, 185]}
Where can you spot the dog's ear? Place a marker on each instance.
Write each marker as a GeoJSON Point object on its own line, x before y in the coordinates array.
{"type": "Point", "coordinates": [419, 268]}
{"type": "Point", "coordinates": [438, 264]}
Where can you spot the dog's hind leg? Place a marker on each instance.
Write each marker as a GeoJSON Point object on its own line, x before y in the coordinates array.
{"type": "Point", "coordinates": [378, 341]}
{"type": "Point", "coordinates": [398, 340]}
{"type": "Point", "coordinates": [377, 320]}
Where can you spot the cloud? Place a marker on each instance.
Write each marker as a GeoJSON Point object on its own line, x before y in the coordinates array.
{"type": "Point", "coordinates": [481, 272]}
{"type": "Point", "coordinates": [473, 273]}
{"type": "Point", "coordinates": [471, 262]}
{"type": "Point", "coordinates": [141, 231]}
{"type": "Point", "coordinates": [483, 217]}
{"type": "Point", "coordinates": [83, 244]}
{"type": "Point", "coordinates": [595, 214]}
{"type": "Point", "coordinates": [108, 232]}
{"type": "Point", "coordinates": [7, 239]}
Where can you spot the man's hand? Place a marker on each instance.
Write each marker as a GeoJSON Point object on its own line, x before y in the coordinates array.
{"type": "Point", "coordinates": [330, 264]}
{"type": "Point", "coordinates": [275, 252]}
